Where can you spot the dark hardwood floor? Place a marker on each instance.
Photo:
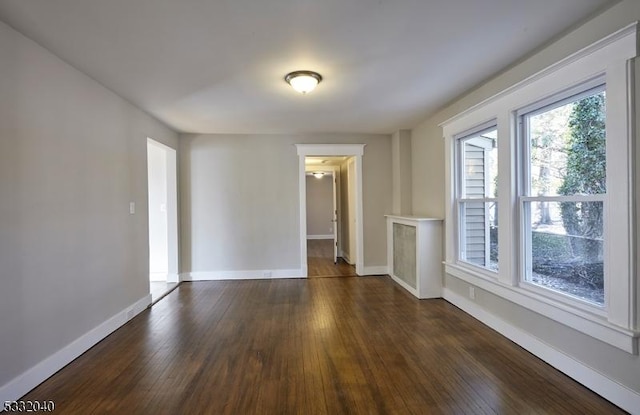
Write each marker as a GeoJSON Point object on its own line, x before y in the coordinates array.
{"type": "Point", "coordinates": [357, 345]}
{"type": "Point", "coordinates": [320, 260]}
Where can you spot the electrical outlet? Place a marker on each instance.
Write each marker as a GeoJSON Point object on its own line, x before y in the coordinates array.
{"type": "Point", "coordinates": [130, 314]}
{"type": "Point", "coordinates": [267, 274]}
{"type": "Point", "coordinates": [472, 293]}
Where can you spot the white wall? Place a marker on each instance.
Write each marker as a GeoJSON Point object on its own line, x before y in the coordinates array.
{"type": "Point", "coordinates": [158, 223]}
{"type": "Point", "coordinates": [239, 200]}
{"type": "Point", "coordinates": [402, 170]}
{"type": "Point", "coordinates": [320, 206]}
{"type": "Point", "coordinates": [72, 158]}
{"type": "Point", "coordinates": [427, 164]}
{"type": "Point", "coordinates": [570, 348]}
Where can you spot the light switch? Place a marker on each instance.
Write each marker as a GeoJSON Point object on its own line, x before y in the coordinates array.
{"type": "Point", "coordinates": [132, 208]}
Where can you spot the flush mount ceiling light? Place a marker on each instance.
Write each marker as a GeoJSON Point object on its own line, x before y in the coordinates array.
{"type": "Point", "coordinates": [318, 174]}
{"type": "Point", "coordinates": [303, 81]}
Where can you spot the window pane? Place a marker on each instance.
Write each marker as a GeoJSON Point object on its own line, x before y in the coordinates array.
{"type": "Point", "coordinates": [479, 244]}
{"type": "Point", "coordinates": [567, 148]}
{"type": "Point", "coordinates": [567, 248]}
{"type": "Point", "coordinates": [479, 177]}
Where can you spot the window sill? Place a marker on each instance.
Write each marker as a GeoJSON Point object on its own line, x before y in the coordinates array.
{"type": "Point", "coordinates": [475, 270]}
{"type": "Point", "coordinates": [591, 324]}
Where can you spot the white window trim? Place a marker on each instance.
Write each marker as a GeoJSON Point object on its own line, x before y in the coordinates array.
{"type": "Point", "coordinates": [617, 323]}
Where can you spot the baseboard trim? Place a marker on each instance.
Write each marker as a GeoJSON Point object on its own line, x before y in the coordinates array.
{"type": "Point", "coordinates": [376, 270]}
{"type": "Point", "coordinates": [320, 236]}
{"type": "Point", "coordinates": [23, 383]}
{"type": "Point", "coordinates": [413, 291]}
{"type": "Point", "coordinates": [620, 395]}
{"type": "Point", "coordinates": [242, 275]}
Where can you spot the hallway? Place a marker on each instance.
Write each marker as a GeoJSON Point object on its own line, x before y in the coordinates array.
{"type": "Point", "coordinates": [320, 260]}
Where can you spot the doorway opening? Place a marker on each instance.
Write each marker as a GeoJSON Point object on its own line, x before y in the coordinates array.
{"type": "Point", "coordinates": [163, 219]}
{"type": "Point", "coordinates": [347, 199]}
{"type": "Point", "coordinates": [328, 216]}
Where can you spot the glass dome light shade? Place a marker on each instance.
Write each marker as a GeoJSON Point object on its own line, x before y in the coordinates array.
{"type": "Point", "coordinates": [303, 81]}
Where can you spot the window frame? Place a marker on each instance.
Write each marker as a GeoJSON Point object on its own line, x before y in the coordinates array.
{"type": "Point", "coordinates": [461, 199]}
{"type": "Point", "coordinates": [612, 59]}
{"type": "Point", "coordinates": [525, 197]}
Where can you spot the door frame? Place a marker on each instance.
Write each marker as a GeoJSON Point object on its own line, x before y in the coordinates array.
{"type": "Point", "coordinates": [347, 150]}
{"type": "Point", "coordinates": [334, 214]}
{"type": "Point", "coordinates": [172, 208]}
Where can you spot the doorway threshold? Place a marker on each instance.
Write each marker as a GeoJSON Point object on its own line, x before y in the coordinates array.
{"type": "Point", "coordinates": [159, 289]}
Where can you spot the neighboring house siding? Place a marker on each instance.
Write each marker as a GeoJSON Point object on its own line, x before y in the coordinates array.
{"type": "Point", "coordinates": [475, 213]}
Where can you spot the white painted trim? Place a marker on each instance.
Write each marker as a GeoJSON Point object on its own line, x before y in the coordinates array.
{"type": "Point", "coordinates": [330, 149]}
{"type": "Point", "coordinates": [609, 58]}
{"type": "Point", "coordinates": [620, 395]}
{"type": "Point", "coordinates": [23, 383]}
{"type": "Point", "coordinates": [172, 207]}
{"type": "Point", "coordinates": [173, 278]}
{"type": "Point", "coordinates": [349, 150]}
{"type": "Point", "coordinates": [374, 270]}
{"type": "Point", "coordinates": [255, 274]}
{"type": "Point", "coordinates": [360, 268]}
{"type": "Point", "coordinates": [309, 237]}
{"type": "Point", "coordinates": [302, 191]}
{"type": "Point", "coordinates": [404, 285]}
{"type": "Point", "coordinates": [409, 219]}
{"type": "Point", "coordinates": [345, 256]}
{"type": "Point", "coordinates": [575, 318]}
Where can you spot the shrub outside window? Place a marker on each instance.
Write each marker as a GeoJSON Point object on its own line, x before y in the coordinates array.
{"type": "Point", "coordinates": [563, 194]}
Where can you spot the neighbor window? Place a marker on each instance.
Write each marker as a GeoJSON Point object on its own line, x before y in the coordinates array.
{"type": "Point", "coordinates": [476, 195]}
{"type": "Point", "coordinates": [563, 190]}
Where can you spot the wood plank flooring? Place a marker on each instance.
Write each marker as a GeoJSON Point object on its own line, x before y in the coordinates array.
{"type": "Point", "coordinates": [358, 345]}
{"type": "Point", "coordinates": [320, 260]}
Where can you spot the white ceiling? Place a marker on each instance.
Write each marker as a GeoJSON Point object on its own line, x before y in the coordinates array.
{"type": "Point", "coordinates": [217, 66]}
{"type": "Point", "coordinates": [312, 162]}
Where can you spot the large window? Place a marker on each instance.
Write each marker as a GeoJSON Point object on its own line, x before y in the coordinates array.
{"type": "Point", "coordinates": [477, 194]}
{"type": "Point", "coordinates": [557, 159]}
{"type": "Point", "coordinates": [563, 189]}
